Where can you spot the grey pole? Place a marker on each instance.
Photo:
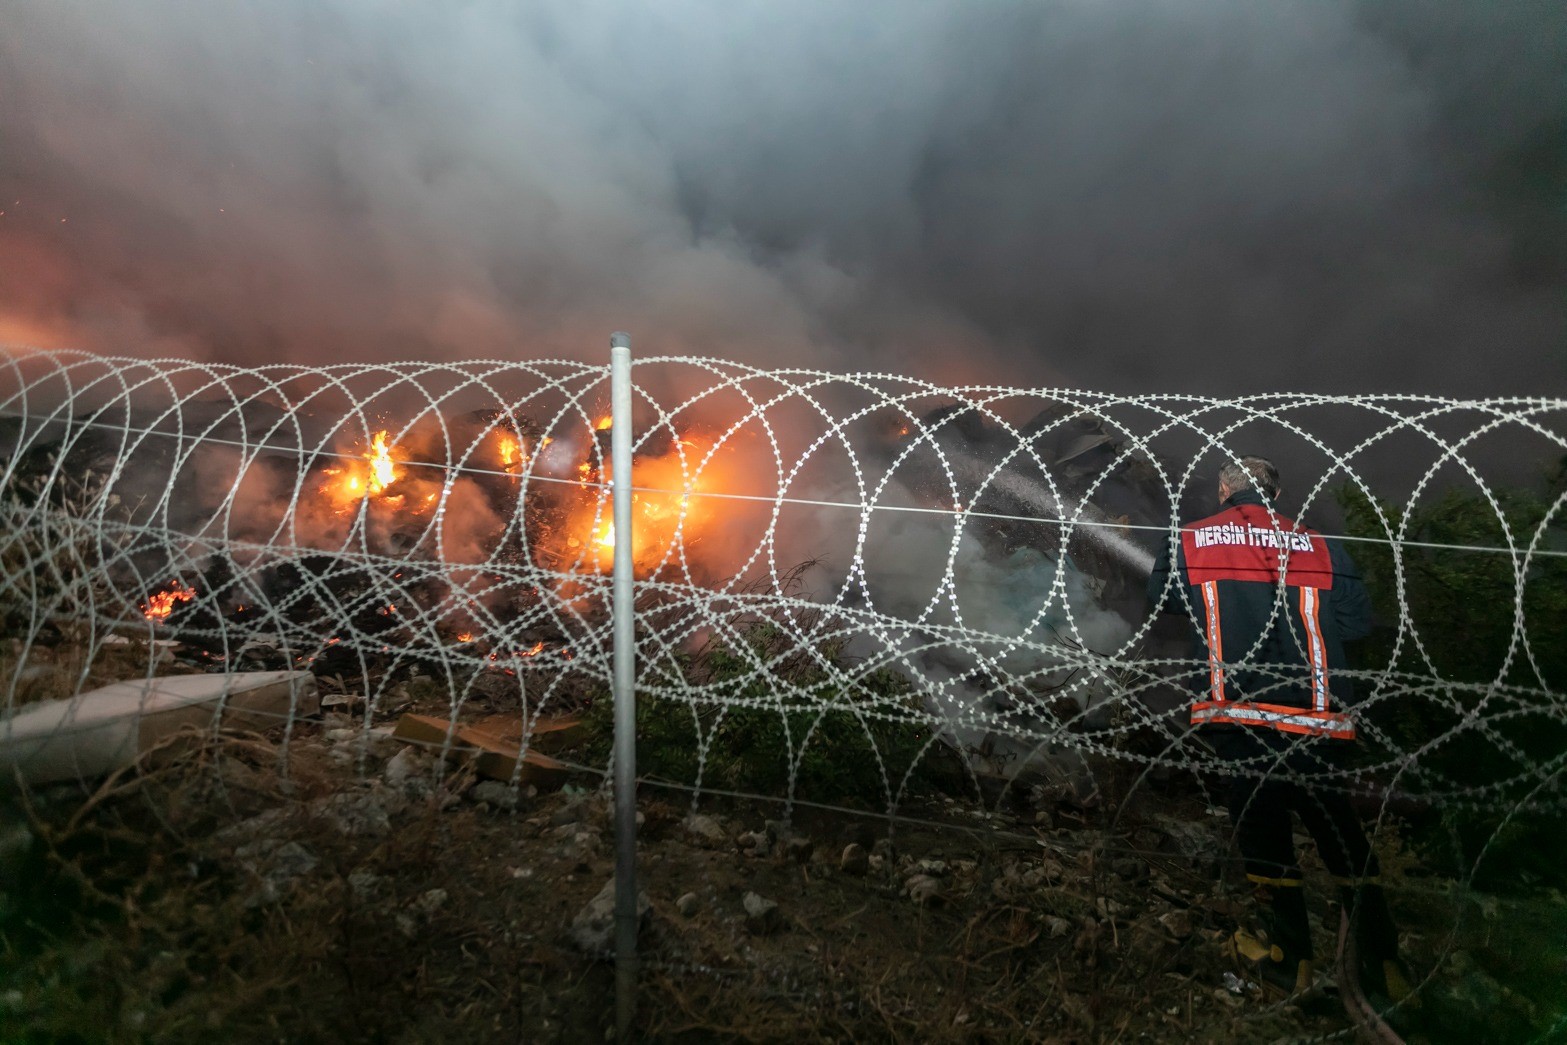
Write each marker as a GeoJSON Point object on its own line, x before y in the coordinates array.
{"type": "Point", "coordinates": [625, 698]}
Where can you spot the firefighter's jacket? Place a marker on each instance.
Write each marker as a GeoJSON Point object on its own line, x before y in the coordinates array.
{"type": "Point", "coordinates": [1272, 603]}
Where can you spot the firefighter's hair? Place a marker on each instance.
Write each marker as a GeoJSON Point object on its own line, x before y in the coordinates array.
{"type": "Point", "coordinates": [1248, 473]}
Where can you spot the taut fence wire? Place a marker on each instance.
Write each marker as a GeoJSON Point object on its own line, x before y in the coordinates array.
{"type": "Point", "coordinates": [859, 597]}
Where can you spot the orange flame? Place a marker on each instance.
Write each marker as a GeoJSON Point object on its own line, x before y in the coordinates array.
{"type": "Point", "coordinates": [604, 423]}
{"type": "Point", "coordinates": [159, 606]}
{"type": "Point", "coordinates": [511, 451]}
{"type": "Point", "coordinates": [465, 636]}
{"type": "Point", "coordinates": [664, 511]}
{"type": "Point", "coordinates": [371, 476]}
{"type": "Point", "coordinates": [383, 472]}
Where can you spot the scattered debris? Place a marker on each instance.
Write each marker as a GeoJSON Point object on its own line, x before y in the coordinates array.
{"type": "Point", "coordinates": [493, 756]}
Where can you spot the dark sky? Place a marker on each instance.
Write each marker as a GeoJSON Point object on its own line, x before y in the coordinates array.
{"type": "Point", "coordinates": [1214, 196]}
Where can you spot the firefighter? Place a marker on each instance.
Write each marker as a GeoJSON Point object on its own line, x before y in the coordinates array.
{"type": "Point", "coordinates": [1273, 604]}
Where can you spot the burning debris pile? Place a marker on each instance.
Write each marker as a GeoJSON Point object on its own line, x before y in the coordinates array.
{"type": "Point", "coordinates": [469, 546]}
{"type": "Point", "coordinates": [472, 545]}
{"type": "Point", "coordinates": [964, 570]}
{"type": "Point", "coordinates": [508, 509]}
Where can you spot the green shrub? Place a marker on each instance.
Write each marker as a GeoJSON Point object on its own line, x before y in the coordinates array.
{"type": "Point", "coordinates": [1483, 711]}
{"type": "Point", "coordinates": [769, 716]}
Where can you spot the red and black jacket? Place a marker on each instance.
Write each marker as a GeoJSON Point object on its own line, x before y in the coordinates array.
{"type": "Point", "coordinates": [1274, 651]}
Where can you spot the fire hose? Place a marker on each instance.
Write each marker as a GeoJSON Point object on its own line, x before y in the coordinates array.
{"type": "Point", "coordinates": [1359, 1008]}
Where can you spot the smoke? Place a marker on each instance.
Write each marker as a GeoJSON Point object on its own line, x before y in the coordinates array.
{"type": "Point", "coordinates": [1211, 195]}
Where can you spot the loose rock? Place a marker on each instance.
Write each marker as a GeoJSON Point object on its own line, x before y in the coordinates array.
{"type": "Point", "coordinates": [429, 902]}
{"type": "Point", "coordinates": [1177, 923]}
{"type": "Point", "coordinates": [754, 843]}
{"type": "Point", "coordinates": [855, 860]}
{"type": "Point", "coordinates": [688, 905]}
{"type": "Point", "coordinates": [924, 890]}
{"type": "Point", "coordinates": [762, 916]}
{"type": "Point", "coordinates": [377, 742]}
{"type": "Point", "coordinates": [276, 866]}
{"type": "Point", "coordinates": [356, 812]}
{"type": "Point", "coordinates": [495, 794]}
{"type": "Point", "coordinates": [593, 929]}
{"type": "Point", "coordinates": [1130, 868]}
{"type": "Point", "coordinates": [363, 885]}
{"type": "Point", "coordinates": [705, 829]}
{"type": "Point", "coordinates": [569, 813]}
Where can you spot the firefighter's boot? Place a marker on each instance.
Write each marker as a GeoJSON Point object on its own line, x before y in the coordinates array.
{"type": "Point", "coordinates": [1382, 973]}
{"type": "Point", "coordinates": [1282, 962]}
{"type": "Point", "coordinates": [1281, 973]}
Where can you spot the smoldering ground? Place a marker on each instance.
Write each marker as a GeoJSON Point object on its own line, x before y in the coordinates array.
{"type": "Point", "coordinates": [1217, 195]}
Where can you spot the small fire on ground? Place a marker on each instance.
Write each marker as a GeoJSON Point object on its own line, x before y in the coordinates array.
{"type": "Point", "coordinates": [159, 605]}
{"type": "Point", "coordinates": [373, 476]}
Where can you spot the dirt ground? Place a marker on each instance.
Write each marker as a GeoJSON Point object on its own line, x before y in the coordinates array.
{"type": "Point", "coordinates": [347, 887]}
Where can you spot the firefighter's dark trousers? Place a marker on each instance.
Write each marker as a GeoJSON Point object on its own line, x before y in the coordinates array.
{"type": "Point", "coordinates": [1274, 782]}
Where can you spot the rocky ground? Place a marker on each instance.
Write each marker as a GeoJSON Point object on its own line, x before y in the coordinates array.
{"type": "Point", "coordinates": [329, 883]}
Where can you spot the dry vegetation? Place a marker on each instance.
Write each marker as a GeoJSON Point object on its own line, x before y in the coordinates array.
{"type": "Point", "coordinates": [238, 889]}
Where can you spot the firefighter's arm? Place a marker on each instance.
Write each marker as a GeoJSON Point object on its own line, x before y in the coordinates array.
{"type": "Point", "coordinates": [1159, 600]}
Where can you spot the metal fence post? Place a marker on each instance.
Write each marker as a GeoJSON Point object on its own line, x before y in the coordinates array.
{"type": "Point", "coordinates": [625, 699]}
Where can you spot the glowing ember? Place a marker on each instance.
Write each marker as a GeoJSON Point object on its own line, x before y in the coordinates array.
{"type": "Point", "coordinates": [159, 606]}
{"type": "Point", "coordinates": [466, 636]}
{"type": "Point", "coordinates": [604, 423]}
{"type": "Point", "coordinates": [522, 654]}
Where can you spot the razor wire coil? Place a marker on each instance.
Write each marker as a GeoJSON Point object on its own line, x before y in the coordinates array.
{"type": "Point", "coordinates": [962, 480]}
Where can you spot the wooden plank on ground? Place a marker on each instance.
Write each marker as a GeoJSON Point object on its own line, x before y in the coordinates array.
{"type": "Point", "coordinates": [494, 757]}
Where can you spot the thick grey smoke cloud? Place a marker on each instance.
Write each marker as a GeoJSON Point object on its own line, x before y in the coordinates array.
{"type": "Point", "coordinates": [1214, 195]}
